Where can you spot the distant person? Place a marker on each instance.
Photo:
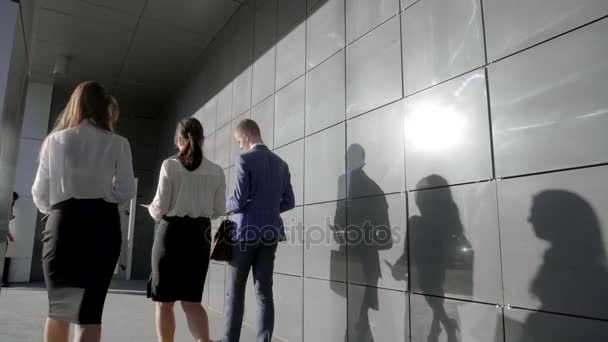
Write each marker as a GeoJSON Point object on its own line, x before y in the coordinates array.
{"type": "Point", "coordinates": [262, 191]}
{"type": "Point", "coordinates": [191, 191]}
{"type": "Point", "coordinates": [11, 238]}
{"type": "Point", "coordinates": [85, 173]}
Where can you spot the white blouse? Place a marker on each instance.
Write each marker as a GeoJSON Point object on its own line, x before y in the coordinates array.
{"type": "Point", "coordinates": [198, 193]}
{"type": "Point", "coordinates": [84, 162]}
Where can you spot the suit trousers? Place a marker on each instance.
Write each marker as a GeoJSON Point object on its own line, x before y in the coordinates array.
{"type": "Point", "coordinates": [259, 257]}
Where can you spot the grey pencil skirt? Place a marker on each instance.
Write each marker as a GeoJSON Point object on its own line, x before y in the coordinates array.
{"type": "Point", "coordinates": [81, 246]}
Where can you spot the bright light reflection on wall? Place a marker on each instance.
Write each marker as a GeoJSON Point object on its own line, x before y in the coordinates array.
{"type": "Point", "coordinates": [434, 128]}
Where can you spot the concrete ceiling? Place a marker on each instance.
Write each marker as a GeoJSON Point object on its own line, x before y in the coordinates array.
{"type": "Point", "coordinates": [136, 47]}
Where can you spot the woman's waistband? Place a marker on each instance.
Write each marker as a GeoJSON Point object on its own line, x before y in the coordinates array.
{"type": "Point", "coordinates": [174, 219]}
{"type": "Point", "coordinates": [84, 203]}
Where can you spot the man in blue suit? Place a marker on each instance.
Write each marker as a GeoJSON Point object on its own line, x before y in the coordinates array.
{"type": "Point", "coordinates": [262, 191]}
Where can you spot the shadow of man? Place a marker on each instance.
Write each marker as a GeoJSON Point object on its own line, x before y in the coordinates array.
{"type": "Point", "coordinates": [368, 231]}
{"type": "Point", "coordinates": [573, 277]}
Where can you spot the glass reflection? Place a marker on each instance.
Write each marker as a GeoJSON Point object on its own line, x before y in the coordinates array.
{"type": "Point", "coordinates": [434, 128]}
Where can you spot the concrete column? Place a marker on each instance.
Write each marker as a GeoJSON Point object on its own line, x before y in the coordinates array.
{"type": "Point", "coordinates": [13, 77]}
{"type": "Point", "coordinates": [33, 132]}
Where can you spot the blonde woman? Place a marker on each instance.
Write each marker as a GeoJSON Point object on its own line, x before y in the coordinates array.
{"type": "Point", "coordinates": [85, 173]}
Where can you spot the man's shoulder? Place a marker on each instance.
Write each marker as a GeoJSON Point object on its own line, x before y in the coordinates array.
{"type": "Point", "coordinates": [254, 156]}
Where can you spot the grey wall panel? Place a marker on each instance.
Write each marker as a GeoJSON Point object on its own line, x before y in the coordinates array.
{"type": "Point", "coordinates": [362, 16]}
{"type": "Point", "coordinates": [375, 151]}
{"type": "Point", "coordinates": [548, 112]}
{"type": "Point", "coordinates": [554, 237]}
{"type": "Point", "coordinates": [290, 13]}
{"type": "Point", "coordinates": [440, 40]}
{"type": "Point", "coordinates": [374, 59]}
{"type": "Point", "coordinates": [263, 115]}
{"type": "Point", "coordinates": [224, 105]}
{"type": "Point", "coordinates": [515, 25]}
{"type": "Point", "coordinates": [446, 320]}
{"type": "Point", "coordinates": [522, 325]}
{"type": "Point", "coordinates": [314, 4]}
{"type": "Point", "coordinates": [324, 311]}
{"type": "Point", "coordinates": [291, 56]}
{"type": "Point", "coordinates": [209, 116]}
{"type": "Point", "coordinates": [454, 241]}
{"type": "Point", "coordinates": [235, 150]}
{"type": "Point", "coordinates": [325, 241]}
{"type": "Point", "coordinates": [324, 31]}
{"type": "Point", "coordinates": [288, 292]}
{"type": "Point", "coordinates": [406, 3]}
{"type": "Point", "coordinates": [447, 132]}
{"type": "Point", "coordinates": [293, 155]}
{"type": "Point", "coordinates": [325, 94]}
{"type": "Point", "coordinates": [265, 26]}
{"type": "Point", "coordinates": [263, 76]}
{"type": "Point", "coordinates": [290, 254]}
{"type": "Point", "coordinates": [289, 113]}
{"type": "Point", "coordinates": [223, 140]}
{"type": "Point", "coordinates": [209, 147]}
{"type": "Point", "coordinates": [241, 37]}
{"type": "Point", "coordinates": [241, 98]}
{"type": "Point", "coordinates": [324, 166]}
{"type": "Point", "coordinates": [377, 314]}
{"type": "Point", "coordinates": [377, 240]}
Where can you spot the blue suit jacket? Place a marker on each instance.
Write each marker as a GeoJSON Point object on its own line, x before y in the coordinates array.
{"type": "Point", "coordinates": [262, 191]}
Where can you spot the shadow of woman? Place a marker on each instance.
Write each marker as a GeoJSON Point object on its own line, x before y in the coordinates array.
{"type": "Point", "coordinates": [438, 248]}
{"type": "Point", "coordinates": [368, 231]}
{"type": "Point", "coordinates": [573, 277]}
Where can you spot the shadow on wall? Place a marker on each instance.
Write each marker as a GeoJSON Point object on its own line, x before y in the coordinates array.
{"type": "Point", "coordinates": [574, 275]}
{"type": "Point", "coordinates": [368, 231]}
{"type": "Point", "coordinates": [440, 255]}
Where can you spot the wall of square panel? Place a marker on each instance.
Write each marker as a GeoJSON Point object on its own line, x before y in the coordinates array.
{"type": "Point", "coordinates": [448, 159]}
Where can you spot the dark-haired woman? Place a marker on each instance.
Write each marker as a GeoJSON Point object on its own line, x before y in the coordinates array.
{"type": "Point", "coordinates": [191, 192]}
{"type": "Point", "coordinates": [85, 173]}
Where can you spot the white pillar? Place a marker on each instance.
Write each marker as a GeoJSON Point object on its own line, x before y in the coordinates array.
{"type": "Point", "coordinates": [13, 66]}
{"type": "Point", "coordinates": [8, 20]}
{"type": "Point", "coordinates": [33, 132]}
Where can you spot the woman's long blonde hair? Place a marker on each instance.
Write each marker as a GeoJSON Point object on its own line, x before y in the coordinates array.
{"type": "Point", "coordinates": [88, 101]}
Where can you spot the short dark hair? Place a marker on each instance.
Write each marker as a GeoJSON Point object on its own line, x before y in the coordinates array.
{"type": "Point", "coordinates": [15, 196]}
{"type": "Point", "coordinates": [250, 127]}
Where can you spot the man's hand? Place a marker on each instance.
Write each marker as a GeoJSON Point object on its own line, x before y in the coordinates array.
{"type": "Point", "coordinates": [10, 237]}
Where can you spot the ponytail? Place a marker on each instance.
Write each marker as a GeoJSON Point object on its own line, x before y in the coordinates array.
{"type": "Point", "coordinates": [191, 132]}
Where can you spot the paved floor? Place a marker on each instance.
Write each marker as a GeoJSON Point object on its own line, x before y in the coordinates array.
{"type": "Point", "coordinates": [129, 315]}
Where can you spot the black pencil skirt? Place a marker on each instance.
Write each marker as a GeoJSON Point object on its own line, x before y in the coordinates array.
{"type": "Point", "coordinates": [180, 259]}
{"type": "Point", "coordinates": [81, 246]}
